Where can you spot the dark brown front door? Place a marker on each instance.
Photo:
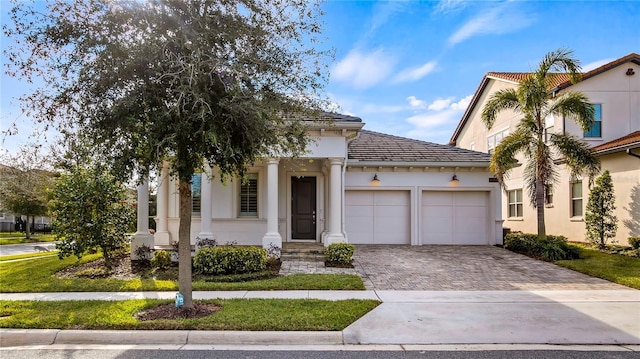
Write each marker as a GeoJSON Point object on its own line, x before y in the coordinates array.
{"type": "Point", "coordinates": [303, 208]}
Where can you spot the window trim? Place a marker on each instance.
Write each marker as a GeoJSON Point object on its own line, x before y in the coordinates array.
{"type": "Point", "coordinates": [598, 119]}
{"type": "Point", "coordinates": [503, 132]}
{"type": "Point", "coordinates": [572, 199]}
{"type": "Point", "coordinates": [515, 203]}
{"type": "Point", "coordinates": [250, 176]}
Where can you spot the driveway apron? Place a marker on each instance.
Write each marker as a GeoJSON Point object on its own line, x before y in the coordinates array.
{"type": "Point", "coordinates": [487, 295]}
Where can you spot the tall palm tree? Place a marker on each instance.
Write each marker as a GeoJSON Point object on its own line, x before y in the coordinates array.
{"type": "Point", "coordinates": [535, 99]}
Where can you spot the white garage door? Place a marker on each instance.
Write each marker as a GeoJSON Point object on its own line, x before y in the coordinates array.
{"type": "Point", "coordinates": [455, 217]}
{"type": "Point", "coordinates": [378, 217]}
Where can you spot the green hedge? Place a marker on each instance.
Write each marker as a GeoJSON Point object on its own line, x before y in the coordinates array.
{"type": "Point", "coordinates": [634, 242]}
{"type": "Point", "coordinates": [339, 253]}
{"type": "Point", "coordinates": [230, 260]}
{"type": "Point", "coordinates": [551, 249]}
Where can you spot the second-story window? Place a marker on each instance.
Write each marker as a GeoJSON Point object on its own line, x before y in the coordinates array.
{"type": "Point", "coordinates": [596, 128]}
{"type": "Point", "coordinates": [494, 139]}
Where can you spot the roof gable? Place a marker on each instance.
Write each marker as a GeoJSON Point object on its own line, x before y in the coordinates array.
{"type": "Point", "coordinates": [561, 81]}
{"type": "Point", "coordinates": [372, 146]}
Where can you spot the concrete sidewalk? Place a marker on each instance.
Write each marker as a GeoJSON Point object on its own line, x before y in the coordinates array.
{"type": "Point", "coordinates": [569, 317]}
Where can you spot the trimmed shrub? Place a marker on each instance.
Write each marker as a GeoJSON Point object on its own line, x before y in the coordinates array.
{"type": "Point", "coordinates": [161, 259]}
{"type": "Point", "coordinates": [634, 242]}
{"type": "Point", "coordinates": [339, 253]}
{"type": "Point", "coordinates": [553, 248]}
{"type": "Point", "coordinates": [230, 260]}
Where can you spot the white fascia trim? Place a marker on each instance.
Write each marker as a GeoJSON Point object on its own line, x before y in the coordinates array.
{"type": "Point", "coordinates": [358, 163]}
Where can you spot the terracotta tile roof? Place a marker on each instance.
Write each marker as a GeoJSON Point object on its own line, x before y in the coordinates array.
{"type": "Point", "coordinates": [558, 78]}
{"type": "Point", "coordinates": [631, 138]}
{"type": "Point", "coordinates": [562, 81]}
{"type": "Point", "coordinates": [379, 147]}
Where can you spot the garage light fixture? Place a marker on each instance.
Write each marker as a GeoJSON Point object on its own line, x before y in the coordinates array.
{"type": "Point", "coordinates": [455, 178]}
{"type": "Point", "coordinates": [375, 178]}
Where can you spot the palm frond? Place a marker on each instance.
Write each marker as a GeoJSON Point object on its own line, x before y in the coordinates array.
{"type": "Point", "coordinates": [575, 106]}
{"type": "Point", "coordinates": [532, 94]}
{"type": "Point", "coordinates": [499, 101]}
{"type": "Point", "coordinates": [541, 167]}
{"type": "Point", "coordinates": [561, 60]}
{"type": "Point", "coordinates": [503, 159]}
{"type": "Point", "coordinates": [577, 154]}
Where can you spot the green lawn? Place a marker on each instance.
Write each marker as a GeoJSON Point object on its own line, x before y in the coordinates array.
{"type": "Point", "coordinates": [236, 314]}
{"type": "Point", "coordinates": [612, 267]}
{"type": "Point", "coordinates": [36, 276]}
{"type": "Point", "coordinates": [28, 255]}
{"type": "Point", "coordinates": [17, 238]}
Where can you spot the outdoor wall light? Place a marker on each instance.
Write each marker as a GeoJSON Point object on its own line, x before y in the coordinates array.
{"type": "Point", "coordinates": [455, 178]}
{"type": "Point", "coordinates": [375, 178]}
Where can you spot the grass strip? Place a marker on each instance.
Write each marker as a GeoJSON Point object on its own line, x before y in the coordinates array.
{"type": "Point", "coordinates": [37, 276]}
{"type": "Point", "coordinates": [18, 238]}
{"type": "Point", "coordinates": [612, 267]}
{"type": "Point", "coordinates": [27, 255]}
{"type": "Point", "coordinates": [236, 314]}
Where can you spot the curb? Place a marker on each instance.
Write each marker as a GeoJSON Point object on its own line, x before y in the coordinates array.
{"type": "Point", "coordinates": [23, 337]}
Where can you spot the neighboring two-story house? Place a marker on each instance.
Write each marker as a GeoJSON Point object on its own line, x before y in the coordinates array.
{"type": "Point", "coordinates": [614, 91]}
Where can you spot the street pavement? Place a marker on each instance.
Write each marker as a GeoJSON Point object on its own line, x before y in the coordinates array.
{"type": "Point", "coordinates": [25, 248]}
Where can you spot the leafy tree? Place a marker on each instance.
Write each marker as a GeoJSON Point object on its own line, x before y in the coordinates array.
{"type": "Point", "coordinates": [90, 211]}
{"type": "Point", "coordinates": [23, 184]}
{"type": "Point", "coordinates": [534, 100]}
{"type": "Point", "coordinates": [599, 219]}
{"type": "Point", "coordinates": [185, 82]}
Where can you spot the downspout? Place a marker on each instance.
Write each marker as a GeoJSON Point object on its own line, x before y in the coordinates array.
{"type": "Point", "coordinates": [631, 153]}
{"type": "Point", "coordinates": [344, 172]}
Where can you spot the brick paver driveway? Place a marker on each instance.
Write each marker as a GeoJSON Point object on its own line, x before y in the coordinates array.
{"type": "Point", "coordinates": [389, 267]}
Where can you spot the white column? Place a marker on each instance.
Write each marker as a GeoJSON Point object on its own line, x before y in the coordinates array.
{"type": "Point", "coordinates": [272, 236]}
{"type": "Point", "coordinates": [162, 235]}
{"type": "Point", "coordinates": [142, 237]}
{"type": "Point", "coordinates": [335, 203]}
{"type": "Point", "coordinates": [206, 205]}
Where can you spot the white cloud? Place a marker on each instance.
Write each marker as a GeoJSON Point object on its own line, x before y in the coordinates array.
{"type": "Point", "coordinates": [462, 104]}
{"type": "Point", "coordinates": [448, 6]}
{"type": "Point", "coordinates": [440, 104]}
{"type": "Point", "coordinates": [431, 120]}
{"type": "Point", "coordinates": [363, 70]}
{"type": "Point", "coordinates": [415, 103]}
{"type": "Point", "coordinates": [499, 20]}
{"type": "Point", "coordinates": [594, 65]}
{"type": "Point", "coordinates": [383, 11]}
{"type": "Point", "coordinates": [416, 73]}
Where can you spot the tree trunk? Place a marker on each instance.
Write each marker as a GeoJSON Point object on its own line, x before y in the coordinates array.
{"type": "Point", "coordinates": [27, 229]}
{"type": "Point", "coordinates": [107, 259]}
{"type": "Point", "coordinates": [542, 232]}
{"type": "Point", "coordinates": [184, 245]}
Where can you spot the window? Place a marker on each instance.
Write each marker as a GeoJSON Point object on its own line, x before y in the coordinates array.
{"type": "Point", "coordinates": [548, 195]}
{"type": "Point", "coordinates": [249, 196]}
{"type": "Point", "coordinates": [196, 199]}
{"type": "Point", "coordinates": [548, 127]}
{"type": "Point", "coordinates": [494, 140]}
{"type": "Point", "coordinates": [576, 199]}
{"type": "Point", "coordinates": [515, 203]}
{"type": "Point", "coordinates": [596, 128]}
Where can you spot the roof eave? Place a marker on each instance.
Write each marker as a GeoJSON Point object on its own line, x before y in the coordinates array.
{"type": "Point", "coordinates": [467, 112]}
{"type": "Point", "coordinates": [361, 163]}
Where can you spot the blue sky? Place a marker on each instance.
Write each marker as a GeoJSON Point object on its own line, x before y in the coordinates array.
{"type": "Point", "coordinates": [409, 68]}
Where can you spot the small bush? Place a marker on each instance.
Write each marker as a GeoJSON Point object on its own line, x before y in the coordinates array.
{"type": "Point", "coordinates": [161, 259]}
{"type": "Point", "coordinates": [230, 260]}
{"type": "Point", "coordinates": [553, 248]}
{"type": "Point", "coordinates": [634, 242]}
{"type": "Point", "coordinates": [143, 253]}
{"type": "Point", "coordinates": [341, 253]}
{"type": "Point", "coordinates": [205, 243]}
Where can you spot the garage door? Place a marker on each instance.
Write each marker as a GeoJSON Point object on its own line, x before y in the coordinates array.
{"type": "Point", "coordinates": [378, 217]}
{"type": "Point", "coordinates": [455, 218]}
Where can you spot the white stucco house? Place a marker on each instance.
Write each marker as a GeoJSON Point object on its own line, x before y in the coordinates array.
{"type": "Point", "coordinates": [352, 186]}
{"type": "Point", "coordinates": [614, 90]}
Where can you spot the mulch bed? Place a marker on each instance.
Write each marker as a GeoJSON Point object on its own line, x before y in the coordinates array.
{"type": "Point", "coordinates": [120, 268]}
{"type": "Point", "coordinates": [169, 311]}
